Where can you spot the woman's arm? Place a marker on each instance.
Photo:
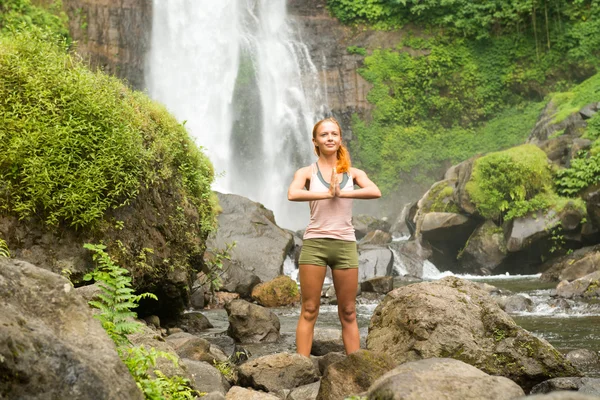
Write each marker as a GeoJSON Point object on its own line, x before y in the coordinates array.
{"type": "Point", "coordinates": [297, 191]}
{"type": "Point", "coordinates": [368, 189]}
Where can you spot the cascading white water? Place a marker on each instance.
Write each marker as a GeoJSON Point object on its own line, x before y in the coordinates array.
{"type": "Point", "coordinates": [237, 72]}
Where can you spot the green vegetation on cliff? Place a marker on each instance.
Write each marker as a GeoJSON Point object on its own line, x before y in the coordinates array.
{"type": "Point", "coordinates": [468, 77]}
{"type": "Point", "coordinates": [19, 13]}
{"type": "Point", "coordinates": [75, 144]}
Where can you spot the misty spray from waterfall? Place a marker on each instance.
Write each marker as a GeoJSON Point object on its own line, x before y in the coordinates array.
{"type": "Point", "coordinates": [237, 72]}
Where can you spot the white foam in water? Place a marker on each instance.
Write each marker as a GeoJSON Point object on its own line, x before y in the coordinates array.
{"type": "Point", "coordinates": [289, 267]}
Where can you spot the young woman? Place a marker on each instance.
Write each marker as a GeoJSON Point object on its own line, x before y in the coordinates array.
{"type": "Point", "coordinates": [329, 240]}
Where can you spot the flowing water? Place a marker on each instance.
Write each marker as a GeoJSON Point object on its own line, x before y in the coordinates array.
{"type": "Point", "coordinates": [239, 75]}
{"type": "Point", "coordinates": [571, 325]}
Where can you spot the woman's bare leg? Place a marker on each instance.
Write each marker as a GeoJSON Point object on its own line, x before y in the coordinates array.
{"type": "Point", "coordinates": [311, 283]}
{"type": "Point", "coordinates": [345, 282]}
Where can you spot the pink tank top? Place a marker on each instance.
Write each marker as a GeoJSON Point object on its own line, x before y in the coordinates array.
{"type": "Point", "coordinates": [330, 218]}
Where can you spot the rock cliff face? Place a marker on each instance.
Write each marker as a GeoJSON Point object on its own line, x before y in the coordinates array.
{"type": "Point", "coordinates": [113, 35]}
{"type": "Point", "coordinates": [327, 40]}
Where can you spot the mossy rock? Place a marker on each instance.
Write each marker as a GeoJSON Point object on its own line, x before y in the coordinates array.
{"type": "Point", "coordinates": [85, 159]}
{"type": "Point", "coordinates": [279, 292]}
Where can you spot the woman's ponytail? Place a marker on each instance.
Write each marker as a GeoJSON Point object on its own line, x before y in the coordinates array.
{"type": "Point", "coordinates": [343, 160]}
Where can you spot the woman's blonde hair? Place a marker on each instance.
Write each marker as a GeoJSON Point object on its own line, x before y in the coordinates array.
{"type": "Point", "coordinates": [343, 156]}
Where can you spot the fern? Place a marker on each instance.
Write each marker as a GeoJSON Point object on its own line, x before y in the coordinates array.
{"type": "Point", "coordinates": [4, 249]}
{"type": "Point", "coordinates": [115, 304]}
{"type": "Point", "coordinates": [117, 298]}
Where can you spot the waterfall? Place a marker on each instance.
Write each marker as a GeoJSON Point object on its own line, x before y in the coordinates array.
{"type": "Point", "coordinates": [237, 72]}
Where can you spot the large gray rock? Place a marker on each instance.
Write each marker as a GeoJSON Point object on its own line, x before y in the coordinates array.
{"type": "Point", "coordinates": [326, 340]}
{"type": "Point", "coordinates": [584, 358]}
{"type": "Point", "coordinates": [205, 377]}
{"type": "Point", "coordinates": [572, 266]}
{"type": "Point", "coordinates": [278, 371]}
{"type": "Point", "coordinates": [354, 374]}
{"type": "Point", "coordinates": [458, 319]}
{"type": "Point", "coordinates": [410, 256]}
{"type": "Point", "coordinates": [524, 231]}
{"type": "Point", "coordinates": [51, 346]}
{"type": "Point", "coordinates": [485, 250]}
{"type": "Point", "coordinates": [442, 378]}
{"type": "Point", "coordinates": [587, 287]}
{"type": "Point", "coordinates": [250, 323]}
{"type": "Point", "coordinates": [305, 392]}
{"type": "Point", "coordinates": [238, 278]}
{"type": "Point", "coordinates": [261, 246]}
{"type": "Point", "coordinates": [560, 395]}
{"type": "Point", "coordinates": [363, 224]}
{"type": "Point", "coordinates": [374, 261]}
{"type": "Point", "coordinates": [589, 386]}
{"type": "Point", "coordinates": [240, 393]}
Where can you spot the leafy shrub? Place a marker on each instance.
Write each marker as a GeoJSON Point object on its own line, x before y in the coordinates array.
{"type": "Point", "coordinates": [502, 180]}
{"type": "Point", "coordinates": [18, 13]}
{"type": "Point", "coordinates": [117, 298]}
{"type": "Point", "coordinates": [583, 172]}
{"type": "Point", "coordinates": [116, 304]}
{"type": "Point", "coordinates": [74, 144]}
{"type": "Point", "coordinates": [357, 50]}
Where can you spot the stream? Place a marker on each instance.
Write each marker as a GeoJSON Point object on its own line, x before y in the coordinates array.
{"type": "Point", "coordinates": [574, 325]}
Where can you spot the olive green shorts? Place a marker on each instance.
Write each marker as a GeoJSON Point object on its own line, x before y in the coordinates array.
{"type": "Point", "coordinates": [338, 254]}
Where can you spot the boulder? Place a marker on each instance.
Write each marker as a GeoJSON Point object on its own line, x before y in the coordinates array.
{"type": "Point", "coordinates": [589, 386]}
{"type": "Point", "coordinates": [379, 284]}
{"type": "Point", "coordinates": [326, 340]}
{"type": "Point", "coordinates": [278, 371]}
{"type": "Point", "coordinates": [195, 348]}
{"type": "Point", "coordinates": [514, 303]}
{"type": "Point", "coordinates": [364, 224]}
{"type": "Point", "coordinates": [374, 261]}
{"type": "Point", "coordinates": [462, 174]}
{"type": "Point", "coordinates": [377, 238]}
{"type": "Point", "coordinates": [572, 266]}
{"type": "Point", "coordinates": [238, 278]}
{"type": "Point", "coordinates": [400, 227]}
{"type": "Point", "coordinates": [586, 287]}
{"type": "Point", "coordinates": [51, 346]}
{"type": "Point", "coordinates": [354, 374]}
{"type": "Point", "coordinates": [485, 249]}
{"type": "Point", "coordinates": [524, 231]}
{"type": "Point", "coordinates": [409, 257]}
{"type": "Point", "coordinates": [328, 359]}
{"type": "Point", "coordinates": [583, 358]}
{"type": "Point", "coordinates": [261, 246]}
{"type": "Point", "coordinates": [251, 323]}
{"type": "Point", "coordinates": [447, 233]}
{"type": "Point", "coordinates": [455, 318]}
{"type": "Point", "coordinates": [279, 292]}
{"type": "Point", "coordinates": [560, 395]}
{"type": "Point", "coordinates": [194, 322]}
{"type": "Point", "coordinates": [441, 378]}
{"type": "Point", "coordinates": [305, 392]}
{"type": "Point", "coordinates": [240, 393]}
{"type": "Point", "coordinates": [205, 377]}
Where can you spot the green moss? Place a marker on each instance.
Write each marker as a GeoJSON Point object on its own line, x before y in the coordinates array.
{"type": "Point", "coordinates": [502, 179]}
{"type": "Point", "coordinates": [439, 199]}
{"type": "Point", "coordinates": [75, 144]}
{"type": "Point", "coordinates": [18, 14]}
{"type": "Point", "coordinates": [574, 100]}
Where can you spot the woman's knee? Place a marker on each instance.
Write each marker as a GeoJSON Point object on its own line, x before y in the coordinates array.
{"type": "Point", "coordinates": [310, 311]}
{"type": "Point", "coordinates": [347, 313]}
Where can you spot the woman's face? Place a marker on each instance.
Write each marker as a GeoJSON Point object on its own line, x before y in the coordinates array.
{"type": "Point", "coordinates": [328, 138]}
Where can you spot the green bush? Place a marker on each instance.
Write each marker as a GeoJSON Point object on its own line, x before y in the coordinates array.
{"type": "Point", "coordinates": [505, 180]}
{"type": "Point", "coordinates": [15, 14]}
{"type": "Point", "coordinates": [75, 144]}
{"type": "Point", "coordinates": [116, 304]}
